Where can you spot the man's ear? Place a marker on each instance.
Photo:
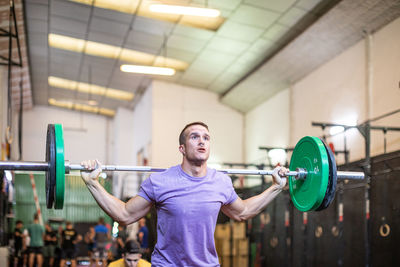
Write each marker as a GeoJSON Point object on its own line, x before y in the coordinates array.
{"type": "Point", "coordinates": [182, 149]}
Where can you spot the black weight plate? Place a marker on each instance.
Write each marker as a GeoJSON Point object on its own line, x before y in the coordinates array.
{"type": "Point", "coordinates": [51, 160]}
{"type": "Point", "coordinates": [331, 189]}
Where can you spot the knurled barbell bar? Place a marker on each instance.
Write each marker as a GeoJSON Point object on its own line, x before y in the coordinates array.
{"type": "Point", "coordinates": [312, 179]}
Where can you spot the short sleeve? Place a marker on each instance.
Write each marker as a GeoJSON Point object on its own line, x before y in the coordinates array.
{"type": "Point", "coordinates": [146, 190]}
{"type": "Point", "coordinates": [231, 193]}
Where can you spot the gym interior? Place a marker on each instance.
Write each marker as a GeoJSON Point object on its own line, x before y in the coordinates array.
{"type": "Point", "coordinates": [117, 81]}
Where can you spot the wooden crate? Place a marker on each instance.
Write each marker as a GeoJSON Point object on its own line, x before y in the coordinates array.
{"type": "Point", "coordinates": [239, 230]}
{"type": "Point", "coordinates": [223, 231]}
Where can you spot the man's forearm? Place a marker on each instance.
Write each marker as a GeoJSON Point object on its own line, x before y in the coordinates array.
{"type": "Point", "coordinates": [256, 204]}
{"type": "Point", "coordinates": [111, 205]}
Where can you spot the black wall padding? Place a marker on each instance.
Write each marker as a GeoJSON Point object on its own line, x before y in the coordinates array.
{"type": "Point", "coordinates": [385, 208]}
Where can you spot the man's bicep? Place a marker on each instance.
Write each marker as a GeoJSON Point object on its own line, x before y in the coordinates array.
{"type": "Point", "coordinates": [137, 207]}
{"type": "Point", "coordinates": [234, 209]}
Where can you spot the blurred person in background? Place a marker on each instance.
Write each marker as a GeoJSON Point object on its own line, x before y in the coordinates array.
{"type": "Point", "coordinates": [132, 256]}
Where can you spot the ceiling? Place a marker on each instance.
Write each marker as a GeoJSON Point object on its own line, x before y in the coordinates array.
{"type": "Point", "coordinates": [255, 48]}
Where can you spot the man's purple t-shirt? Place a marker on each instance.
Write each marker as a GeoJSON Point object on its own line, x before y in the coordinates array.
{"type": "Point", "coordinates": [187, 211]}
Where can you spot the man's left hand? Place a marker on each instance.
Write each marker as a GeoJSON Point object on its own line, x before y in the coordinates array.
{"type": "Point", "coordinates": [279, 176]}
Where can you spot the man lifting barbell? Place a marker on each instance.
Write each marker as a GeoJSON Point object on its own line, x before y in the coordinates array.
{"type": "Point", "coordinates": [188, 198]}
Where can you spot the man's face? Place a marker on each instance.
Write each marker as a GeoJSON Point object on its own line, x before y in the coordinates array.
{"type": "Point", "coordinates": [131, 260]}
{"type": "Point", "coordinates": [197, 144]}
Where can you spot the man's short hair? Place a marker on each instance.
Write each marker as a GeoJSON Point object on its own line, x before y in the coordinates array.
{"type": "Point", "coordinates": [36, 216]}
{"type": "Point", "coordinates": [68, 223]}
{"type": "Point", "coordinates": [132, 247]}
{"type": "Point", "coordinates": [182, 136]}
{"type": "Point", "coordinates": [18, 222]}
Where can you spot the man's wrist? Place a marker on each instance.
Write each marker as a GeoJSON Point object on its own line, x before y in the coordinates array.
{"type": "Point", "coordinates": [277, 187]}
{"type": "Point", "coordinates": [92, 182]}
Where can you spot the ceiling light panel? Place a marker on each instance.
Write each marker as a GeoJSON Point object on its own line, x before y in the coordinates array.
{"type": "Point", "coordinates": [110, 51]}
{"type": "Point", "coordinates": [185, 10]}
{"type": "Point", "coordinates": [131, 6]}
{"type": "Point", "coordinates": [81, 107]}
{"type": "Point", "coordinates": [90, 88]}
{"type": "Point", "coordinates": [147, 70]}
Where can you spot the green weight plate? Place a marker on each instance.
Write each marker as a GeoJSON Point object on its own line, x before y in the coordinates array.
{"type": "Point", "coordinates": [331, 189]}
{"type": "Point", "coordinates": [60, 167]}
{"type": "Point", "coordinates": [310, 154]}
{"type": "Point", "coordinates": [51, 172]}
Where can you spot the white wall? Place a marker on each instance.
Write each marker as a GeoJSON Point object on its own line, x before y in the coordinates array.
{"type": "Point", "coordinates": [267, 125]}
{"type": "Point", "coordinates": [336, 92]}
{"type": "Point", "coordinates": [386, 83]}
{"type": "Point", "coordinates": [142, 125]}
{"type": "Point", "coordinates": [137, 126]}
{"type": "Point", "coordinates": [123, 137]}
{"type": "Point", "coordinates": [85, 134]}
{"type": "Point", "coordinates": [123, 150]}
{"type": "Point", "coordinates": [174, 106]}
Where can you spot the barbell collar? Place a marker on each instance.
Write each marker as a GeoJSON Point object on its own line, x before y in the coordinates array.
{"type": "Point", "coordinates": [350, 175]}
{"type": "Point", "coordinates": [67, 167]}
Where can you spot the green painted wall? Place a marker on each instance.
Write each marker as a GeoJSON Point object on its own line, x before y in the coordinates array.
{"type": "Point", "coordinates": [79, 205]}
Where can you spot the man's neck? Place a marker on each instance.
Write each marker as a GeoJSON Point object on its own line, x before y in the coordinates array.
{"type": "Point", "coordinates": [195, 170]}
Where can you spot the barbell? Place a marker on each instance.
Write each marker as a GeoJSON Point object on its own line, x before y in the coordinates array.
{"type": "Point", "coordinates": [312, 177]}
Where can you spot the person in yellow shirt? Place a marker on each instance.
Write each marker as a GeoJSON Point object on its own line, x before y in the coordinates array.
{"type": "Point", "coordinates": [132, 256]}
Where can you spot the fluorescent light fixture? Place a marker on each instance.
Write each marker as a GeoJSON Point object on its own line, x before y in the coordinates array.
{"type": "Point", "coordinates": [75, 106]}
{"type": "Point", "coordinates": [147, 70]}
{"type": "Point", "coordinates": [277, 155]}
{"type": "Point", "coordinates": [336, 130]}
{"type": "Point", "coordinates": [92, 102]}
{"type": "Point", "coordinates": [185, 10]}
{"type": "Point", "coordinates": [90, 88]}
{"type": "Point", "coordinates": [192, 19]}
{"type": "Point", "coordinates": [113, 52]}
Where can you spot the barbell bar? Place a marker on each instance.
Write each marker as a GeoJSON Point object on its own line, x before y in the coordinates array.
{"type": "Point", "coordinates": [44, 166]}
{"type": "Point", "coordinates": [312, 179]}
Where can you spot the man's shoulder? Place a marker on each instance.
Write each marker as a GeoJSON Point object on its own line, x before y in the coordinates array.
{"type": "Point", "coordinates": [168, 172]}
{"type": "Point", "coordinates": [218, 175]}
{"type": "Point", "coordinates": [159, 178]}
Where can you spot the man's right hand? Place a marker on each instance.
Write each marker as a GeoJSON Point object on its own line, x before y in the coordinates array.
{"type": "Point", "coordinates": [95, 169]}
